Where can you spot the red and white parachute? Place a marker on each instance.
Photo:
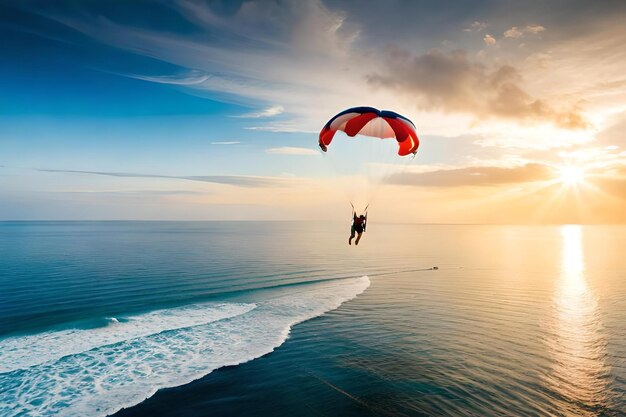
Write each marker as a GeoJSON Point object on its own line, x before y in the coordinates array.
{"type": "Point", "coordinates": [368, 121]}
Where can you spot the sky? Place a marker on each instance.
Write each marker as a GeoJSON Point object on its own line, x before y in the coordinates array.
{"type": "Point", "coordinates": [210, 110]}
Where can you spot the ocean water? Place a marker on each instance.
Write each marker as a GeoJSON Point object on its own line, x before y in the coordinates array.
{"type": "Point", "coordinates": [267, 319]}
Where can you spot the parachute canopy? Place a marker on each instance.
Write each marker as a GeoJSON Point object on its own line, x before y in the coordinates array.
{"type": "Point", "coordinates": [368, 121]}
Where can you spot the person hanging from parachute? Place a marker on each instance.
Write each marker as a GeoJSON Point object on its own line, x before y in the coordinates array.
{"type": "Point", "coordinates": [359, 224]}
{"type": "Point", "coordinates": [368, 121]}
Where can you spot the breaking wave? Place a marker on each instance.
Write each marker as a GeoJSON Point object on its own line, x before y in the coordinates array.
{"type": "Point", "coordinates": [96, 372]}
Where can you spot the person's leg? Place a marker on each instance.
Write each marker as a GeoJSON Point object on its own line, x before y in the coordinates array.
{"type": "Point", "coordinates": [352, 231]}
{"type": "Point", "coordinates": [356, 242]}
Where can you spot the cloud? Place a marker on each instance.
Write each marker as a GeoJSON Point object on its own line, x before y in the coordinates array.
{"type": "Point", "coordinates": [614, 134]}
{"type": "Point", "coordinates": [534, 29]}
{"type": "Point", "coordinates": [309, 25]}
{"type": "Point", "coordinates": [189, 78]}
{"type": "Point", "coordinates": [539, 60]}
{"type": "Point", "coordinates": [268, 112]}
{"type": "Point", "coordinates": [289, 150]}
{"type": "Point", "coordinates": [489, 40]}
{"type": "Point", "coordinates": [515, 32]}
{"type": "Point", "coordinates": [283, 127]}
{"type": "Point", "coordinates": [303, 54]}
{"type": "Point", "coordinates": [236, 180]}
{"type": "Point", "coordinates": [475, 176]}
{"type": "Point", "coordinates": [453, 83]}
{"type": "Point", "coordinates": [253, 53]}
{"type": "Point", "coordinates": [476, 26]}
{"type": "Point", "coordinates": [308, 56]}
{"type": "Point", "coordinates": [225, 143]}
{"type": "Point", "coordinates": [136, 193]}
{"type": "Point", "coordinates": [258, 50]}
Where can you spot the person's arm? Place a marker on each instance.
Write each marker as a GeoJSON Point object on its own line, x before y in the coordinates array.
{"type": "Point", "coordinates": [365, 222]}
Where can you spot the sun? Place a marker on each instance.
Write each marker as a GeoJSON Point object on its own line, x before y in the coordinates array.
{"type": "Point", "coordinates": [571, 175]}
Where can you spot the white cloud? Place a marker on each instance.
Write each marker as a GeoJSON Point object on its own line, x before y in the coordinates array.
{"type": "Point", "coordinates": [301, 54]}
{"type": "Point", "coordinates": [515, 32]}
{"type": "Point", "coordinates": [290, 150]}
{"type": "Point", "coordinates": [285, 127]}
{"type": "Point", "coordinates": [225, 143]}
{"type": "Point", "coordinates": [268, 112]}
{"type": "Point", "coordinates": [235, 180]}
{"type": "Point", "coordinates": [190, 78]}
{"type": "Point", "coordinates": [265, 53]}
{"type": "Point", "coordinates": [476, 26]}
{"type": "Point", "coordinates": [534, 29]}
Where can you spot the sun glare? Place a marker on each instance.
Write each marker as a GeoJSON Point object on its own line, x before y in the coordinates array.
{"type": "Point", "coordinates": [571, 175]}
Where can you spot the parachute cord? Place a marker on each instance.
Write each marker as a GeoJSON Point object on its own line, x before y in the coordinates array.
{"type": "Point", "coordinates": [376, 173]}
{"type": "Point", "coordinates": [328, 157]}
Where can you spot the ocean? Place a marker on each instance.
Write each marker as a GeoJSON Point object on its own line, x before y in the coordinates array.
{"type": "Point", "coordinates": [285, 318]}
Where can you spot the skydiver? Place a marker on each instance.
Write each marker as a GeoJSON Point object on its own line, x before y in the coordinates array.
{"type": "Point", "coordinates": [358, 226]}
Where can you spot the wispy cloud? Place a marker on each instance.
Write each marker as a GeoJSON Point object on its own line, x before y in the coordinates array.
{"type": "Point", "coordinates": [614, 134]}
{"type": "Point", "coordinates": [268, 112]}
{"type": "Point", "coordinates": [236, 180]}
{"type": "Point", "coordinates": [134, 193]}
{"type": "Point", "coordinates": [516, 32]}
{"type": "Point", "coordinates": [476, 26]}
{"type": "Point", "coordinates": [282, 127]}
{"type": "Point", "coordinates": [476, 176]}
{"type": "Point", "coordinates": [226, 143]}
{"type": "Point", "coordinates": [261, 54]}
{"type": "Point", "coordinates": [189, 78]}
{"type": "Point", "coordinates": [289, 150]}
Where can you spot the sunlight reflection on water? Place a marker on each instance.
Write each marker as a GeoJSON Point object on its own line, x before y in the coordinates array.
{"type": "Point", "coordinates": [517, 320]}
{"type": "Point", "coordinates": [579, 375]}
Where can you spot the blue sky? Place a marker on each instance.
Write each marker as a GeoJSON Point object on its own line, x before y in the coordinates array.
{"type": "Point", "coordinates": [169, 92]}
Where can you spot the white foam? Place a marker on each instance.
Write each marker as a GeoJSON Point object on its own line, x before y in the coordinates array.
{"type": "Point", "coordinates": [110, 376]}
{"type": "Point", "coordinates": [23, 352]}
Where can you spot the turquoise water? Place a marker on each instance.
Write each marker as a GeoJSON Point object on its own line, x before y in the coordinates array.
{"type": "Point", "coordinates": [287, 319]}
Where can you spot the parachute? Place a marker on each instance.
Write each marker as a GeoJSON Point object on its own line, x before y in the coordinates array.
{"type": "Point", "coordinates": [363, 162]}
{"type": "Point", "coordinates": [368, 121]}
